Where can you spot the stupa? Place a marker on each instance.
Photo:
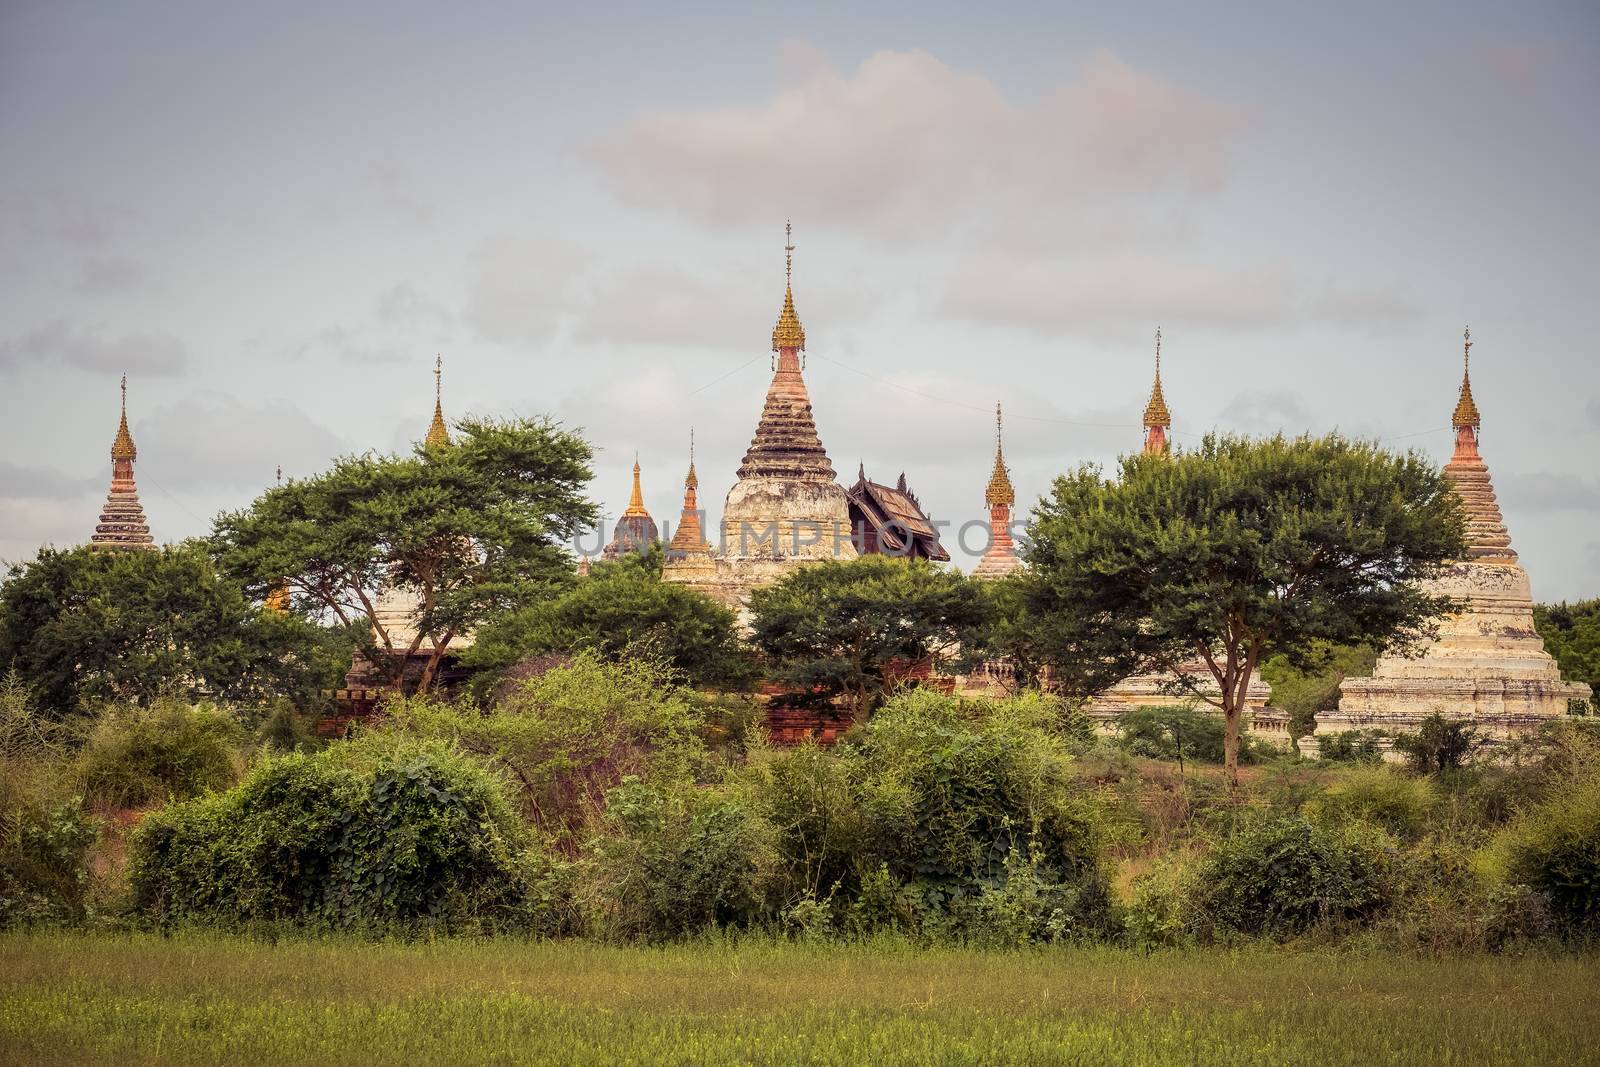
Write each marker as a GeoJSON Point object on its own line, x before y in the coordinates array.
{"type": "Point", "coordinates": [1488, 664]}
{"type": "Point", "coordinates": [122, 523]}
{"type": "Point", "coordinates": [1001, 557]}
{"type": "Point", "coordinates": [688, 548]}
{"type": "Point", "coordinates": [636, 530]}
{"type": "Point", "coordinates": [1163, 689]}
{"type": "Point", "coordinates": [786, 508]}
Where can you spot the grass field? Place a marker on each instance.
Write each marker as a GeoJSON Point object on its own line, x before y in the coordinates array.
{"type": "Point", "coordinates": [102, 999]}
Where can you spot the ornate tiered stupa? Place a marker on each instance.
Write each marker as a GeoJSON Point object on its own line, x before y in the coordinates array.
{"type": "Point", "coordinates": [438, 434]}
{"type": "Point", "coordinates": [1162, 689]}
{"type": "Point", "coordinates": [1488, 664]}
{"type": "Point", "coordinates": [786, 508]}
{"type": "Point", "coordinates": [1001, 557]}
{"type": "Point", "coordinates": [122, 522]}
{"type": "Point", "coordinates": [636, 530]}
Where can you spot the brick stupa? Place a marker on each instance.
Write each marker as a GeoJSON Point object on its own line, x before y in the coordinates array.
{"type": "Point", "coordinates": [636, 530]}
{"type": "Point", "coordinates": [122, 524]}
{"type": "Point", "coordinates": [1488, 664]}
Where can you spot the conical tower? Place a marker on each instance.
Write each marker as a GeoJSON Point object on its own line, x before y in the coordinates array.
{"type": "Point", "coordinates": [438, 432]}
{"type": "Point", "coordinates": [1488, 664]}
{"type": "Point", "coordinates": [277, 599]}
{"type": "Point", "coordinates": [1157, 419]}
{"type": "Point", "coordinates": [1001, 557]}
{"type": "Point", "coordinates": [689, 538]}
{"type": "Point", "coordinates": [786, 503]}
{"type": "Point", "coordinates": [636, 530]}
{"type": "Point", "coordinates": [122, 522]}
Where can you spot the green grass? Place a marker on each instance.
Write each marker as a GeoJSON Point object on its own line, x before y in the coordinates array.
{"type": "Point", "coordinates": [124, 999]}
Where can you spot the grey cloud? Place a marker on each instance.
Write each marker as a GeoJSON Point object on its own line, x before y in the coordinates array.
{"type": "Point", "coordinates": [406, 306]}
{"type": "Point", "coordinates": [28, 482]}
{"type": "Point", "coordinates": [521, 288]}
{"type": "Point", "coordinates": [348, 346]}
{"type": "Point", "coordinates": [907, 137]}
{"type": "Point", "coordinates": [1547, 491]}
{"type": "Point", "coordinates": [210, 440]}
{"type": "Point", "coordinates": [62, 343]}
{"type": "Point", "coordinates": [1517, 66]}
{"type": "Point", "coordinates": [1267, 411]}
{"type": "Point", "coordinates": [110, 275]}
{"type": "Point", "coordinates": [1593, 411]}
{"type": "Point", "coordinates": [75, 218]}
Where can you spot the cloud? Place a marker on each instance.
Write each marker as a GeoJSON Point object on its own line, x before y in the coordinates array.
{"type": "Point", "coordinates": [43, 483]}
{"type": "Point", "coordinates": [906, 138]}
{"type": "Point", "coordinates": [110, 275]}
{"type": "Point", "coordinates": [74, 218]}
{"type": "Point", "coordinates": [1112, 293]}
{"type": "Point", "coordinates": [28, 522]}
{"type": "Point", "coordinates": [210, 440]}
{"type": "Point", "coordinates": [1260, 411]}
{"type": "Point", "coordinates": [1593, 411]}
{"type": "Point", "coordinates": [1547, 491]}
{"type": "Point", "coordinates": [405, 306]}
{"type": "Point", "coordinates": [521, 287]}
{"type": "Point", "coordinates": [62, 343]}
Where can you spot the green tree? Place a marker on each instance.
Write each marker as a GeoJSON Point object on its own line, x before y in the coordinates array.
{"type": "Point", "coordinates": [623, 607]}
{"type": "Point", "coordinates": [471, 530]}
{"type": "Point", "coordinates": [1304, 691]}
{"type": "Point", "coordinates": [836, 627]}
{"type": "Point", "coordinates": [81, 626]}
{"type": "Point", "coordinates": [1571, 633]}
{"type": "Point", "coordinates": [1008, 630]}
{"type": "Point", "coordinates": [1235, 551]}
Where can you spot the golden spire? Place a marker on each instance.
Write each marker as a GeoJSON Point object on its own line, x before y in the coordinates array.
{"type": "Point", "coordinates": [438, 434]}
{"type": "Point", "coordinates": [1000, 492]}
{"type": "Point", "coordinates": [636, 501]}
{"type": "Point", "coordinates": [788, 333]}
{"type": "Point", "coordinates": [1466, 413]}
{"type": "Point", "coordinates": [1155, 412]}
{"type": "Point", "coordinates": [122, 445]}
{"type": "Point", "coordinates": [693, 480]}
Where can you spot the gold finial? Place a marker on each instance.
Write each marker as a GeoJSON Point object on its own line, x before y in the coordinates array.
{"type": "Point", "coordinates": [438, 433]}
{"type": "Point", "coordinates": [280, 474]}
{"type": "Point", "coordinates": [1155, 412]}
{"type": "Point", "coordinates": [1000, 492]}
{"type": "Point", "coordinates": [636, 501]}
{"type": "Point", "coordinates": [122, 445]}
{"type": "Point", "coordinates": [1466, 413]}
{"type": "Point", "coordinates": [788, 333]}
{"type": "Point", "coordinates": [693, 480]}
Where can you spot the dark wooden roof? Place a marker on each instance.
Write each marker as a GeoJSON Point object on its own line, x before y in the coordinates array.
{"type": "Point", "coordinates": [892, 520]}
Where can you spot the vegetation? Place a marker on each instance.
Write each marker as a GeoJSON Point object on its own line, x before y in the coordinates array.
{"type": "Point", "coordinates": [81, 627]}
{"type": "Point", "coordinates": [470, 530]}
{"type": "Point", "coordinates": [1314, 687]}
{"type": "Point", "coordinates": [208, 1000]}
{"type": "Point", "coordinates": [1236, 551]}
{"type": "Point", "coordinates": [838, 629]}
{"type": "Point", "coordinates": [134, 756]}
{"type": "Point", "coordinates": [621, 608]}
{"type": "Point", "coordinates": [1571, 634]}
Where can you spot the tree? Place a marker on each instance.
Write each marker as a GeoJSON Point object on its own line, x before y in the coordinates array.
{"type": "Point", "coordinates": [1304, 691]}
{"type": "Point", "coordinates": [1571, 633]}
{"type": "Point", "coordinates": [623, 607]}
{"type": "Point", "coordinates": [469, 530]}
{"type": "Point", "coordinates": [80, 626]}
{"type": "Point", "coordinates": [1008, 631]}
{"type": "Point", "coordinates": [1235, 551]}
{"type": "Point", "coordinates": [835, 627]}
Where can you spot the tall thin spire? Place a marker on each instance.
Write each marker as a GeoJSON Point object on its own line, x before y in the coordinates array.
{"type": "Point", "coordinates": [690, 536]}
{"type": "Point", "coordinates": [788, 333]}
{"type": "Point", "coordinates": [1000, 490]}
{"type": "Point", "coordinates": [278, 599]}
{"type": "Point", "coordinates": [1466, 413]}
{"type": "Point", "coordinates": [122, 523]}
{"type": "Point", "coordinates": [1157, 419]}
{"type": "Point", "coordinates": [636, 501]}
{"type": "Point", "coordinates": [438, 433]}
{"type": "Point", "coordinates": [1001, 557]}
{"type": "Point", "coordinates": [636, 530]}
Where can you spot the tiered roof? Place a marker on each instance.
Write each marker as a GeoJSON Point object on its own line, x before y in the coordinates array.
{"type": "Point", "coordinates": [689, 538]}
{"type": "Point", "coordinates": [1487, 537]}
{"type": "Point", "coordinates": [890, 520]}
{"type": "Point", "coordinates": [122, 523]}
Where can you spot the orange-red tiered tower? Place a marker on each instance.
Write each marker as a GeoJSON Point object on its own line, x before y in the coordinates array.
{"type": "Point", "coordinates": [122, 522]}
{"type": "Point", "coordinates": [1157, 419]}
{"type": "Point", "coordinates": [1001, 558]}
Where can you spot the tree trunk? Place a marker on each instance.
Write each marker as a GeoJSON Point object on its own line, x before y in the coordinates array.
{"type": "Point", "coordinates": [1230, 742]}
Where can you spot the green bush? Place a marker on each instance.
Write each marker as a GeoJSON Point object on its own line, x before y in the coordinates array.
{"type": "Point", "coordinates": [136, 756]}
{"type": "Point", "coordinates": [957, 798]}
{"type": "Point", "coordinates": [1168, 733]}
{"type": "Point", "coordinates": [1441, 903]}
{"type": "Point", "coordinates": [368, 834]}
{"type": "Point", "coordinates": [678, 863]}
{"type": "Point", "coordinates": [1378, 795]}
{"type": "Point", "coordinates": [1281, 876]}
{"type": "Point", "coordinates": [1351, 746]}
{"type": "Point", "coordinates": [1555, 849]}
{"type": "Point", "coordinates": [1439, 744]}
{"type": "Point", "coordinates": [809, 798]}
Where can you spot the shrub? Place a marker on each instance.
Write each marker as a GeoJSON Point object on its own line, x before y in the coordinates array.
{"type": "Point", "coordinates": [572, 733]}
{"type": "Point", "coordinates": [44, 850]}
{"type": "Point", "coordinates": [169, 751]}
{"type": "Point", "coordinates": [1351, 746]}
{"type": "Point", "coordinates": [368, 834]}
{"type": "Point", "coordinates": [1161, 908]}
{"type": "Point", "coordinates": [678, 863]}
{"type": "Point", "coordinates": [808, 797]}
{"type": "Point", "coordinates": [1281, 876]}
{"type": "Point", "coordinates": [1442, 904]}
{"type": "Point", "coordinates": [1379, 796]}
{"type": "Point", "coordinates": [1170, 733]}
{"type": "Point", "coordinates": [957, 797]}
{"type": "Point", "coordinates": [1555, 849]}
{"type": "Point", "coordinates": [1439, 744]}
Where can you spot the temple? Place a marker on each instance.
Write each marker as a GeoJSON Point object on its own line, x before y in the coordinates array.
{"type": "Point", "coordinates": [122, 524]}
{"type": "Point", "coordinates": [1000, 559]}
{"type": "Point", "coordinates": [636, 530]}
{"type": "Point", "coordinates": [438, 435]}
{"type": "Point", "coordinates": [1487, 664]}
{"type": "Point", "coordinates": [688, 550]}
{"type": "Point", "coordinates": [889, 521]}
{"type": "Point", "coordinates": [1193, 679]}
{"type": "Point", "coordinates": [786, 508]}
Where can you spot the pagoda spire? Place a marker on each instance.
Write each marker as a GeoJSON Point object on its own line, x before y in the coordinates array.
{"type": "Point", "coordinates": [1001, 557]}
{"type": "Point", "coordinates": [122, 522]}
{"type": "Point", "coordinates": [636, 530]}
{"type": "Point", "coordinates": [438, 433]}
{"type": "Point", "coordinates": [636, 500]}
{"type": "Point", "coordinates": [277, 599]}
{"type": "Point", "coordinates": [690, 536]}
{"type": "Point", "coordinates": [786, 444]}
{"type": "Point", "coordinates": [1486, 535]}
{"type": "Point", "coordinates": [1157, 419]}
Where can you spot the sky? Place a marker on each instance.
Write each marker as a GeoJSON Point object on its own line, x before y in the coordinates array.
{"type": "Point", "coordinates": [273, 217]}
